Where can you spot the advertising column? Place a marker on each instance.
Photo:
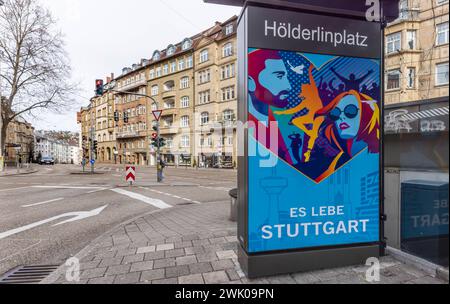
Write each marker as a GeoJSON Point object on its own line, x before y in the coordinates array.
{"type": "Point", "coordinates": [309, 183]}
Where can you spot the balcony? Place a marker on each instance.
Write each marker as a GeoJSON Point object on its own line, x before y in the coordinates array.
{"type": "Point", "coordinates": [169, 94]}
{"type": "Point", "coordinates": [133, 85]}
{"type": "Point", "coordinates": [169, 130]}
{"type": "Point", "coordinates": [132, 134]}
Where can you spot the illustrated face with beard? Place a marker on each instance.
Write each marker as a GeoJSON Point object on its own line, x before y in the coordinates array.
{"type": "Point", "coordinates": [274, 86]}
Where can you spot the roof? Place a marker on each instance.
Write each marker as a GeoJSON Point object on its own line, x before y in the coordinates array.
{"type": "Point", "coordinates": [213, 32]}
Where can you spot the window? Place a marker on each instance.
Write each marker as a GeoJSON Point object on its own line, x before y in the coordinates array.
{"type": "Point", "coordinates": [169, 104]}
{"type": "Point", "coordinates": [204, 97]}
{"type": "Point", "coordinates": [184, 121]}
{"type": "Point", "coordinates": [181, 65]}
{"type": "Point", "coordinates": [411, 77]}
{"type": "Point", "coordinates": [204, 76]}
{"type": "Point", "coordinates": [158, 72]}
{"type": "Point", "coordinates": [393, 80]}
{"type": "Point", "coordinates": [228, 71]}
{"type": "Point", "coordinates": [156, 56]}
{"type": "Point", "coordinates": [206, 141]}
{"type": "Point", "coordinates": [394, 42]}
{"type": "Point", "coordinates": [185, 102]}
{"type": "Point", "coordinates": [442, 73]}
{"type": "Point", "coordinates": [170, 50]}
{"type": "Point", "coordinates": [186, 44]}
{"type": "Point", "coordinates": [228, 115]}
{"type": "Point", "coordinates": [184, 83]}
{"type": "Point", "coordinates": [185, 141]}
{"type": "Point", "coordinates": [154, 106]}
{"type": "Point", "coordinates": [227, 50]}
{"type": "Point", "coordinates": [169, 142]}
{"type": "Point", "coordinates": [204, 56]}
{"type": "Point", "coordinates": [228, 93]}
{"type": "Point", "coordinates": [411, 36]}
{"type": "Point", "coordinates": [189, 62]}
{"type": "Point", "coordinates": [442, 33]}
{"type": "Point", "coordinates": [155, 90]}
{"type": "Point", "coordinates": [204, 118]}
{"type": "Point", "coordinates": [173, 67]}
{"type": "Point", "coordinates": [229, 29]}
{"type": "Point", "coordinates": [166, 69]}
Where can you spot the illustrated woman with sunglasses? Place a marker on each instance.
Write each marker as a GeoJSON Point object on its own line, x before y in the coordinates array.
{"type": "Point", "coordinates": [352, 124]}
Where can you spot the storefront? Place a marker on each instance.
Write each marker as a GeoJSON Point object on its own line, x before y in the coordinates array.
{"type": "Point", "coordinates": [416, 178]}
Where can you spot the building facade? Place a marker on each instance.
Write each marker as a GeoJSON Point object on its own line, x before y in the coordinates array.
{"type": "Point", "coordinates": [193, 82]}
{"type": "Point", "coordinates": [19, 141]}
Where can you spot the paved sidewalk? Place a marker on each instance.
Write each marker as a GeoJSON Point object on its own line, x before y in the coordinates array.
{"type": "Point", "coordinates": [197, 244]}
{"type": "Point", "coordinates": [13, 171]}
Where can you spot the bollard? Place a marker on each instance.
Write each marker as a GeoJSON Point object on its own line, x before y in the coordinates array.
{"type": "Point", "coordinates": [233, 204]}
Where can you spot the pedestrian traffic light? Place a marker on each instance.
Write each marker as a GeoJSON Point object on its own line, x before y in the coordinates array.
{"type": "Point", "coordinates": [99, 87]}
{"type": "Point", "coordinates": [116, 116]}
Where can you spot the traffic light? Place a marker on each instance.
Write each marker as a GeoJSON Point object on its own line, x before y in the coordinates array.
{"type": "Point", "coordinates": [158, 140]}
{"type": "Point", "coordinates": [95, 144]}
{"type": "Point", "coordinates": [116, 116]}
{"type": "Point", "coordinates": [125, 117]}
{"type": "Point", "coordinates": [99, 87]}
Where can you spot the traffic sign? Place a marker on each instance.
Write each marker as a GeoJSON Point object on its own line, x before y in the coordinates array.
{"type": "Point", "coordinates": [92, 161]}
{"type": "Point", "coordinates": [157, 114]}
{"type": "Point", "coordinates": [130, 174]}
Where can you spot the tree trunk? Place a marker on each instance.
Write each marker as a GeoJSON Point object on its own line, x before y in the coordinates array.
{"type": "Point", "coordinates": [3, 136]}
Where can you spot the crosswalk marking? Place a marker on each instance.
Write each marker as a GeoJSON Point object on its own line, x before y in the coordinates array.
{"type": "Point", "coordinates": [151, 201]}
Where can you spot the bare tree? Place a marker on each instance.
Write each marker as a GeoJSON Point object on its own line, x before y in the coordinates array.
{"type": "Point", "coordinates": [35, 67]}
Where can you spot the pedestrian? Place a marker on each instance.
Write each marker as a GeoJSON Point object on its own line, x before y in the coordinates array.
{"type": "Point", "coordinates": [162, 166]}
{"type": "Point", "coordinates": [20, 161]}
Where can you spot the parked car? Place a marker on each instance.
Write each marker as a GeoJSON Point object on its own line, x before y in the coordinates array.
{"type": "Point", "coordinates": [47, 161]}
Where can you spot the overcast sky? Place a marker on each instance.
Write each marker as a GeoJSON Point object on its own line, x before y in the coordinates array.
{"type": "Point", "coordinates": [103, 36]}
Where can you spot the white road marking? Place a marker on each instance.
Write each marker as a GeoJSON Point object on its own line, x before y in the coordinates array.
{"type": "Point", "coordinates": [12, 189]}
{"type": "Point", "coordinates": [43, 203]}
{"type": "Point", "coordinates": [151, 201]}
{"type": "Point", "coordinates": [171, 195]}
{"type": "Point", "coordinates": [98, 190]}
{"type": "Point", "coordinates": [77, 216]}
{"type": "Point", "coordinates": [66, 187]}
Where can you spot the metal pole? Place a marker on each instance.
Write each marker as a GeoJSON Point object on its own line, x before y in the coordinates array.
{"type": "Point", "coordinates": [158, 154]}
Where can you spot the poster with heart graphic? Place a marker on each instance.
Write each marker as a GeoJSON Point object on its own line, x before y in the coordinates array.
{"type": "Point", "coordinates": [313, 179]}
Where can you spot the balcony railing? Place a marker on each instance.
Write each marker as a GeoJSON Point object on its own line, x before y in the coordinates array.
{"type": "Point", "coordinates": [133, 85]}
{"type": "Point", "coordinates": [130, 134]}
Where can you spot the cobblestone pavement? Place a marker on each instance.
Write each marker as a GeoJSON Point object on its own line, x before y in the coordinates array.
{"type": "Point", "coordinates": [197, 244]}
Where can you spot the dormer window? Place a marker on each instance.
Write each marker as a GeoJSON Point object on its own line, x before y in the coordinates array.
{"type": "Point", "coordinates": [170, 50]}
{"type": "Point", "coordinates": [156, 56]}
{"type": "Point", "coordinates": [186, 44]}
{"type": "Point", "coordinates": [229, 29]}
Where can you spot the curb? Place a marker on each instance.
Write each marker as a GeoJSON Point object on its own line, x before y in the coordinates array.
{"type": "Point", "coordinates": [17, 174]}
{"type": "Point", "coordinates": [432, 269]}
{"type": "Point", "coordinates": [52, 278]}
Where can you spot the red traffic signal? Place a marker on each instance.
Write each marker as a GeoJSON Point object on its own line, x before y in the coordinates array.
{"type": "Point", "coordinates": [154, 136]}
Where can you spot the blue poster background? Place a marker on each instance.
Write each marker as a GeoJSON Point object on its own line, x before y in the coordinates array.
{"type": "Point", "coordinates": [297, 180]}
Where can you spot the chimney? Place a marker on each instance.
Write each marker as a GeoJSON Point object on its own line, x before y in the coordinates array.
{"type": "Point", "coordinates": [112, 76]}
{"type": "Point", "coordinates": [108, 79]}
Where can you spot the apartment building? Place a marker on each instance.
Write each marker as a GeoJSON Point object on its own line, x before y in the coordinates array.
{"type": "Point", "coordinates": [19, 141]}
{"type": "Point", "coordinates": [171, 86]}
{"type": "Point", "coordinates": [417, 52]}
{"type": "Point", "coordinates": [216, 97]}
{"type": "Point", "coordinates": [193, 82]}
{"type": "Point", "coordinates": [105, 129]}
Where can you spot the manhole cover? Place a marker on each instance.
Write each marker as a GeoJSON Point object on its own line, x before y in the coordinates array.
{"type": "Point", "coordinates": [28, 274]}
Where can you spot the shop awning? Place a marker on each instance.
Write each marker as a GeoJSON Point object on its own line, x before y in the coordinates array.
{"type": "Point", "coordinates": [418, 117]}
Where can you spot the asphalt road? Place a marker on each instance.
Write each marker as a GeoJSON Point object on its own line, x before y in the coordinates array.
{"type": "Point", "coordinates": [49, 216]}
